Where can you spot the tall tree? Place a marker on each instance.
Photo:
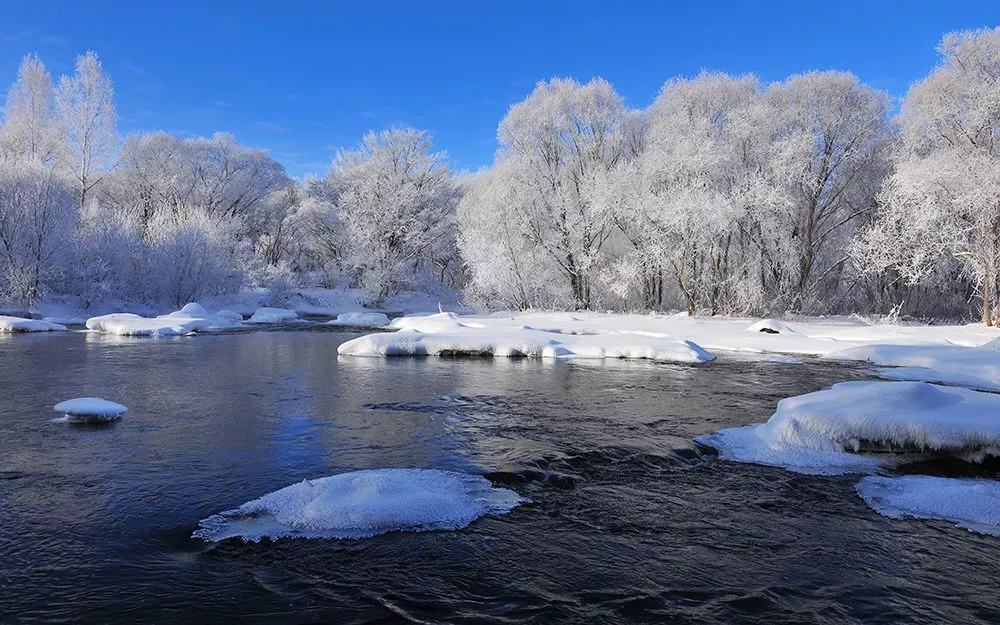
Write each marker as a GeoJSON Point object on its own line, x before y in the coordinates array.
{"type": "Point", "coordinates": [86, 112]}
{"type": "Point", "coordinates": [29, 133]}
{"type": "Point", "coordinates": [943, 198]}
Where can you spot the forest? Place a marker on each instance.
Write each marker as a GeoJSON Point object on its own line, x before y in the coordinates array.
{"type": "Point", "coordinates": [817, 194]}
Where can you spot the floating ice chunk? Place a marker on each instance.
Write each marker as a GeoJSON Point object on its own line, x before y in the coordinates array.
{"type": "Point", "coordinates": [362, 504]}
{"type": "Point", "coordinates": [360, 320]}
{"type": "Point", "coordinates": [970, 503]}
{"type": "Point", "coordinates": [809, 432]}
{"type": "Point", "coordinates": [19, 324]}
{"type": "Point", "coordinates": [771, 326]}
{"type": "Point", "coordinates": [272, 315]}
{"type": "Point", "coordinates": [972, 367]}
{"type": "Point", "coordinates": [127, 324]}
{"type": "Point", "coordinates": [90, 409]}
{"type": "Point", "coordinates": [522, 342]}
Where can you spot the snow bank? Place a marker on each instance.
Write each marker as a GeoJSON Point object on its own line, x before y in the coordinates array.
{"type": "Point", "coordinates": [360, 320]}
{"type": "Point", "coordinates": [90, 409]}
{"type": "Point", "coordinates": [972, 367]}
{"type": "Point", "coordinates": [445, 335]}
{"type": "Point", "coordinates": [66, 321]}
{"type": "Point", "coordinates": [819, 432]}
{"type": "Point", "coordinates": [19, 324]}
{"type": "Point", "coordinates": [272, 315]}
{"type": "Point", "coordinates": [970, 503]}
{"type": "Point", "coordinates": [362, 504]}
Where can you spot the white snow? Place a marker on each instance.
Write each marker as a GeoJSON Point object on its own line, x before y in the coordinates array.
{"type": "Point", "coordinates": [360, 320]}
{"type": "Point", "coordinates": [272, 315]}
{"type": "Point", "coordinates": [191, 318]}
{"type": "Point", "coordinates": [971, 367]}
{"type": "Point", "coordinates": [362, 504]}
{"type": "Point", "coordinates": [90, 409]}
{"type": "Point", "coordinates": [819, 432]}
{"type": "Point", "coordinates": [66, 321]}
{"type": "Point", "coordinates": [970, 503]}
{"type": "Point", "coordinates": [448, 334]}
{"type": "Point", "coordinates": [19, 324]}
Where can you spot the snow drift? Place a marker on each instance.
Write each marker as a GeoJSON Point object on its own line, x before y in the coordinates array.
{"type": "Point", "coordinates": [362, 504]}
{"type": "Point", "coordinates": [191, 318]}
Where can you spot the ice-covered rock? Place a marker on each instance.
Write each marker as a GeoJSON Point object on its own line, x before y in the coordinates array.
{"type": "Point", "coordinates": [822, 432]}
{"type": "Point", "coordinates": [272, 315]}
{"type": "Point", "coordinates": [468, 340]}
{"type": "Point", "coordinates": [771, 326]}
{"type": "Point", "coordinates": [360, 320]}
{"type": "Point", "coordinates": [90, 409]}
{"type": "Point", "coordinates": [192, 317]}
{"type": "Point", "coordinates": [362, 504]}
{"type": "Point", "coordinates": [229, 315]}
{"type": "Point", "coordinates": [970, 503]}
{"type": "Point", "coordinates": [66, 321]}
{"type": "Point", "coordinates": [19, 324]}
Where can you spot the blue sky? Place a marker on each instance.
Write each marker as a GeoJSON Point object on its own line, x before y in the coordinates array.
{"type": "Point", "coordinates": [303, 79]}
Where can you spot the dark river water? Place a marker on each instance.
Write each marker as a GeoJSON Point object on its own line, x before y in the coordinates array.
{"type": "Point", "coordinates": [630, 521]}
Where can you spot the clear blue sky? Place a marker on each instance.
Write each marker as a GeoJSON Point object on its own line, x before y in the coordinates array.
{"type": "Point", "coordinates": [302, 79]}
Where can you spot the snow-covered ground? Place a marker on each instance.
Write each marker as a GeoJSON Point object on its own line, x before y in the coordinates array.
{"type": "Point", "coordinates": [822, 432]}
{"type": "Point", "coordinates": [362, 504]}
{"type": "Point", "coordinates": [970, 503]}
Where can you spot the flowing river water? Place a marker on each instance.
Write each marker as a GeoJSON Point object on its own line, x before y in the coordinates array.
{"type": "Point", "coordinates": [630, 522]}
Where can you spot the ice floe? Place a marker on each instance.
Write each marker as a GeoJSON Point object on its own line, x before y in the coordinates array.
{"type": "Point", "coordinates": [19, 324]}
{"type": "Point", "coordinates": [90, 409]}
{"type": "Point", "coordinates": [272, 315]}
{"type": "Point", "coordinates": [362, 504]}
{"type": "Point", "coordinates": [823, 432]}
{"type": "Point", "coordinates": [360, 320]}
{"type": "Point", "coordinates": [970, 503]}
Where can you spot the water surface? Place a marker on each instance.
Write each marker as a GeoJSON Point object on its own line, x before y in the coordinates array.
{"type": "Point", "coordinates": [630, 521]}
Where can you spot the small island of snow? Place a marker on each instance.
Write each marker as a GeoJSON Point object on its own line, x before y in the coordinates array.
{"type": "Point", "coordinates": [90, 409]}
{"type": "Point", "coordinates": [362, 504]}
{"type": "Point", "coordinates": [970, 503]}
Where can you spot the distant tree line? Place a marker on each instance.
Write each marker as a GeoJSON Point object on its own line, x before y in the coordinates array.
{"type": "Point", "coordinates": [725, 196]}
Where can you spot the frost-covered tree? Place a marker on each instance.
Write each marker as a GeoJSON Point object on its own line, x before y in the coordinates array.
{"type": "Point", "coordinates": [86, 113]}
{"type": "Point", "coordinates": [943, 197]}
{"type": "Point", "coordinates": [831, 147]}
{"type": "Point", "coordinates": [30, 133]}
{"type": "Point", "coordinates": [559, 148]}
{"type": "Point", "coordinates": [37, 219]}
{"type": "Point", "coordinates": [394, 200]}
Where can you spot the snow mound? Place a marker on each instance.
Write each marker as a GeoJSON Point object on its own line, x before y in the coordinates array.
{"type": "Point", "coordinates": [272, 315]}
{"type": "Point", "coordinates": [822, 432]}
{"type": "Point", "coordinates": [771, 326]}
{"type": "Point", "coordinates": [972, 367]}
{"type": "Point", "coordinates": [360, 320]}
{"type": "Point", "coordinates": [362, 504]}
{"type": "Point", "coordinates": [90, 409]}
{"type": "Point", "coordinates": [522, 342]}
{"type": "Point", "coordinates": [19, 324]}
{"type": "Point", "coordinates": [970, 503]}
{"type": "Point", "coordinates": [229, 315]}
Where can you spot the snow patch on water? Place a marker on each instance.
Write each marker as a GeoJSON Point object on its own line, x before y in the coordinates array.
{"type": "Point", "coordinates": [362, 504]}
{"type": "Point", "coordinates": [970, 503]}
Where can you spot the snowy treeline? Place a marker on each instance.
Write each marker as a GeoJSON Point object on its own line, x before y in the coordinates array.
{"type": "Point", "coordinates": [726, 196]}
